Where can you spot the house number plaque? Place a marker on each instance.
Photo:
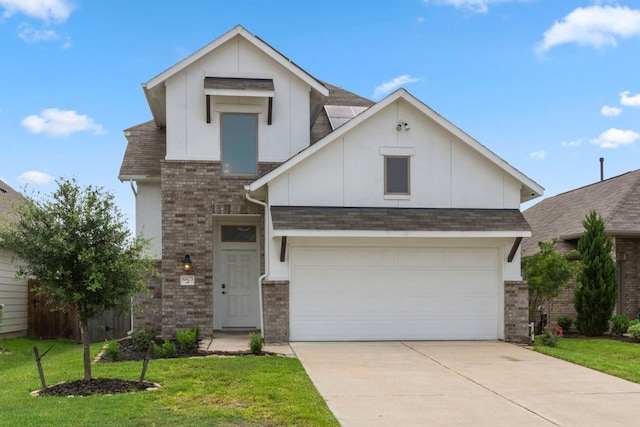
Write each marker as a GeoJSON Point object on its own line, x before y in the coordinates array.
{"type": "Point", "coordinates": [187, 280]}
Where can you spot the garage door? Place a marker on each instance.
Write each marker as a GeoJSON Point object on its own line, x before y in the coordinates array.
{"type": "Point", "coordinates": [383, 293]}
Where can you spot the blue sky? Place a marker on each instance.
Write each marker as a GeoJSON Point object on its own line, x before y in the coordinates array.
{"type": "Point", "coordinates": [550, 86]}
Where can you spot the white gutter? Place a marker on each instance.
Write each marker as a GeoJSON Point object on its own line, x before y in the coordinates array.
{"type": "Point", "coordinates": [266, 251]}
{"type": "Point", "coordinates": [135, 194]}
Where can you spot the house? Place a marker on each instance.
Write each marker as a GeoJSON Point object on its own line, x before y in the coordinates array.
{"type": "Point", "coordinates": [281, 203]}
{"type": "Point", "coordinates": [617, 200]}
{"type": "Point", "coordinates": [13, 292]}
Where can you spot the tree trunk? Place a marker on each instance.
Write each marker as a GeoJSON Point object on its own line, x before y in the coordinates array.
{"type": "Point", "coordinates": [84, 332]}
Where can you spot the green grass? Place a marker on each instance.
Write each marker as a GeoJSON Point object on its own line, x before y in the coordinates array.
{"type": "Point", "coordinates": [232, 391]}
{"type": "Point", "coordinates": [621, 359]}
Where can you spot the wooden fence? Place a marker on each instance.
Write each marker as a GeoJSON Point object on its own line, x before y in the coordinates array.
{"type": "Point", "coordinates": [44, 323]}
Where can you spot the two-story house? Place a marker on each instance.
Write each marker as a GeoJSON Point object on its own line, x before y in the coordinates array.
{"type": "Point", "coordinates": [311, 213]}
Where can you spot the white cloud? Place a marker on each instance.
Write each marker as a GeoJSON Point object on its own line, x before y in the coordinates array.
{"type": "Point", "coordinates": [538, 155]}
{"type": "Point", "coordinates": [35, 177]}
{"type": "Point", "coordinates": [574, 143]}
{"type": "Point", "coordinates": [56, 122]}
{"type": "Point", "coordinates": [394, 84]}
{"type": "Point", "coordinates": [614, 138]}
{"type": "Point", "coordinates": [32, 35]}
{"type": "Point", "coordinates": [630, 101]}
{"type": "Point", "coordinates": [44, 10]}
{"type": "Point", "coordinates": [608, 111]}
{"type": "Point", "coordinates": [595, 26]}
{"type": "Point", "coordinates": [475, 6]}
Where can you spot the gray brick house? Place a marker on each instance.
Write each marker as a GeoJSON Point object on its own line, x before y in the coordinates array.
{"type": "Point", "coordinates": [311, 213]}
{"type": "Point", "coordinates": [617, 200]}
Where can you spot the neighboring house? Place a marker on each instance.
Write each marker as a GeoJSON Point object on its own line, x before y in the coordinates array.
{"type": "Point", "coordinates": [617, 200]}
{"type": "Point", "coordinates": [13, 292]}
{"type": "Point", "coordinates": [311, 213]}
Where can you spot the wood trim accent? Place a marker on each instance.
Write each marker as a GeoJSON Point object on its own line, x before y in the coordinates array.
{"type": "Point", "coordinates": [283, 248]}
{"type": "Point", "coordinates": [514, 248]}
{"type": "Point", "coordinates": [270, 112]}
{"type": "Point", "coordinates": [208, 101]}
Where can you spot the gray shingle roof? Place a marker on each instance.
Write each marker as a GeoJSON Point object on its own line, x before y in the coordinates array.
{"type": "Point", "coordinates": [396, 219]}
{"type": "Point", "coordinates": [147, 146]}
{"type": "Point", "coordinates": [616, 199]}
{"type": "Point", "coordinates": [8, 197]}
{"type": "Point", "coordinates": [337, 96]}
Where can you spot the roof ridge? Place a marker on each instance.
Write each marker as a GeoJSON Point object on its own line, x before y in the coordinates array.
{"type": "Point", "coordinates": [592, 184]}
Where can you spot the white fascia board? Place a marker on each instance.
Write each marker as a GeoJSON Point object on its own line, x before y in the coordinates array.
{"type": "Point", "coordinates": [381, 233]}
{"type": "Point", "coordinates": [399, 94]}
{"type": "Point", "coordinates": [138, 178]}
{"type": "Point", "coordinates": [264, 47]}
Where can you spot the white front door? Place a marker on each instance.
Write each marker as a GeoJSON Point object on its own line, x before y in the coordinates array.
{"type": "Point", "coordinates": [239, 288]}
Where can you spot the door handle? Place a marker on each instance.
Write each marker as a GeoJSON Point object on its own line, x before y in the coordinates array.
{"type": "Point", "coordinates": [224, 286]}
{"type": "Point", "coordinates": [223, 292]}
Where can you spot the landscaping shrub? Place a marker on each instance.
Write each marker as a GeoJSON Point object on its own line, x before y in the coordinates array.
{"type": "Point", "coordinates": [550, 336]}
{"type": "Point", "coordinates": [565, 322]}
{"type": "Point", "coordinates": [142, 337]}
{"type": "Point", "coordinates": [166, 350]}
{"type": "Point", "coordinates": [112, 350]}
{"type": "Point", "coordinates": [634, 330]}
{"type": "Point", "coordinates": [633, 322]}
{"type": "Point", "coordinates": [255, 343]}
{"type": "Point", "coordinates": [187, 339]}
{"type": "Point", "coordinates": [619, 324]}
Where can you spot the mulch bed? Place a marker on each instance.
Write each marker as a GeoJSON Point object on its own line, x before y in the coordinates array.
{"type": "Point", "coordinates": [96, 386]}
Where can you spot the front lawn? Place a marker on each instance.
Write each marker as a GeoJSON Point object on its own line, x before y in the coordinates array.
{"type": "Point", "coordinates": [229, 391]}
{"type": "Point", "coordinates": [621, 359]}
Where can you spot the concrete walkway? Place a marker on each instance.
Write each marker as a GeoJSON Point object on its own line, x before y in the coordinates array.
{"type": "Point", "coordinates": [239, 341]}
{"type": "Point", "coordinates": [463, 384]}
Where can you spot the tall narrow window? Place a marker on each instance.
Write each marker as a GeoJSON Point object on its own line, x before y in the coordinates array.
{"type": "Point", "coordinates": [239, 136]}
{"type": "Point", "coordinates": [396, 175]}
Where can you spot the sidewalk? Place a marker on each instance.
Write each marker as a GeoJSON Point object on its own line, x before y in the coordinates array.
{"type": "Point", "coordinates": [239, 341]}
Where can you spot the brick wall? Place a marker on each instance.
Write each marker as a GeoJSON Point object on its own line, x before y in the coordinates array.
{"type": "Point", "coordinates": [628, 256]}
{"type": "Point", "coordinates": [516, 311]}
{"type": "Point", "coordinates": [147, 309]}
{"type": "Point", "coordinates": [561, 306]}
{"type": "Point", "coordinates": [192, 192]}
{"type": "Point", "coordinates": [275, 297]}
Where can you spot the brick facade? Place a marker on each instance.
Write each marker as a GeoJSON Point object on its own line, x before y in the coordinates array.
{"type": "Point", "coordinates": [147, 309]}
{"type": "Point", "coordinates": [275, 298]}
{"type": "Point", "coordinates": [516, 311]}
{"type": "Point", "coordinates": [192, 193]}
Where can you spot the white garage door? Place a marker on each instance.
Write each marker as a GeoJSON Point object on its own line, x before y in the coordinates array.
{"type": "Point", "coordinates": [383, 293]}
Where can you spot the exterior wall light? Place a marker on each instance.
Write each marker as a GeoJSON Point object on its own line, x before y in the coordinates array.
{"type": "Point", "coordinates": [402, 125]}
{"type": "Point", "coordinates": [186, 262]}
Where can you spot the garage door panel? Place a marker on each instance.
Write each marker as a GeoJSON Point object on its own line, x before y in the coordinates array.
{"type": "Point", "coordinates": [389, 293]}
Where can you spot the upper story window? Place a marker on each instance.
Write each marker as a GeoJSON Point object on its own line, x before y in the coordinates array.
{"type": "Point", "coordinates": [239, 139]}
{"type": "Point", "coordinates": [396, 175]}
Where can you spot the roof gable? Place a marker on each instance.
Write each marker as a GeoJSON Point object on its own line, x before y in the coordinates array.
{"type": "Point", "coordinates": [154, 89]}
{"type": "Point", "coordinates": [616, 199]}
{"type": "Point", "coordinates": [530, 189]}
{"type": "Point", "coordinates": [8, 198]}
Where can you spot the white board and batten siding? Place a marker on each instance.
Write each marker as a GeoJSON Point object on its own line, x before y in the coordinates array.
{"type": "Point", "coordinates": [13, 294]}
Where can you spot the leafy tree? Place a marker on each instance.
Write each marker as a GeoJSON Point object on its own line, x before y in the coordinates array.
{"type": "Point", "coordinates": [547, 273]}
{"type": "Point", "coordinates": [77, 244]}
{"type": "Point", "coordinates": [596, 290]}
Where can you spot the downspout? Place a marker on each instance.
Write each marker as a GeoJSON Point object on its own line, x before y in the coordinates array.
{"type": "Point", "coordinates": [135, 194]}
{"type": "Point", "coordinates": [266, 251]}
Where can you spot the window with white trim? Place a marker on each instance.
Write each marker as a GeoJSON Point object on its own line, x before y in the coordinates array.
{"type": "Point", "coordinates": [239, 143]}
{"type": "Point", "coordinates": [397, 175]}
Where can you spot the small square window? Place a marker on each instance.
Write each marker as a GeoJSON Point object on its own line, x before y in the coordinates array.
{"type": "Point", "coordinates": [396, 175]}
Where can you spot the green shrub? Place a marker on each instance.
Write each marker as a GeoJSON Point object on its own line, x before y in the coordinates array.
{"type": "Point", "coordinates": [548, 338]}
{"type": "Point", "coordinates": [187, 339]}
{"type": "Point", "coordinates": [633, 322]}
{"type": "Point", "coordinates": [142, 337]}
{"type": "Point", "coordinates": [619, 324]}
{"type": "Point", "coordinates": [112, 350]}
{"type": "Point", "coordinates": [255, 343]}
{"type": "Point", "coordinates": [634, 330]}
{"type": "Point", "coordinates": [565, 322]}
{"type": "Point", "coordinates": [166, 350]}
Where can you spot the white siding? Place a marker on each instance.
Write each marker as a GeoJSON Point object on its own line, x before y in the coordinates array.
{"type": "Point", "coordinates": [13, 294]}
{"type": "Point", "coordinates": [149, 216]}
{"type": "Point", "coordinates": [445, 172]}
{"type": "Point", "coordinates": [190, 137]}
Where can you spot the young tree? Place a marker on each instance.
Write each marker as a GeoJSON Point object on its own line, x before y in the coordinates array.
{"type": "Point", "coordinates": [547, 273]}
{"type": "Point", "coordinates": [596, 290]}
{"type": "Point", "coordinates": [77, 244]}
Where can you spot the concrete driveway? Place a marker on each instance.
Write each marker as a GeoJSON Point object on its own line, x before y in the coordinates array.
{"type": "Point", "coordinates": [462, 384]}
